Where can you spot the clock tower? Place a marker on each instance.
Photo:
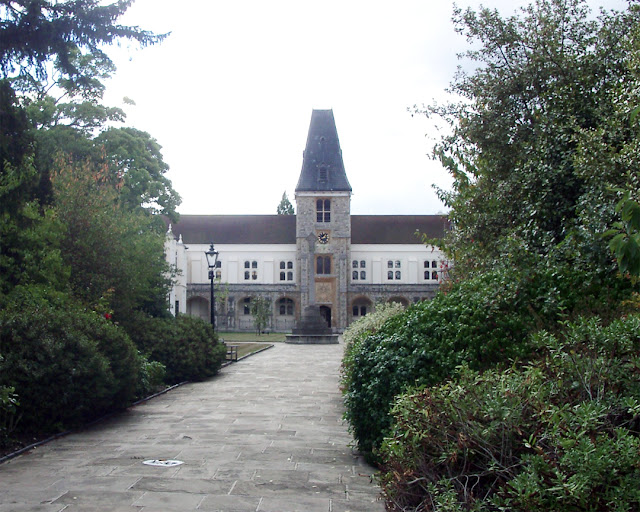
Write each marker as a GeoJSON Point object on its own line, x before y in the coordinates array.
{"type": "Point", "coordinates": [323, 222]}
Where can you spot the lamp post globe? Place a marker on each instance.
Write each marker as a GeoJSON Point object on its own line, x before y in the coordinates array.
{"type": "Point", "coordinates": [212, 260]}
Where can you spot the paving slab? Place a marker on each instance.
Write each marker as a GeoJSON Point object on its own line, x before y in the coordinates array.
{"type": "Point", "coordinates": [266, 434]}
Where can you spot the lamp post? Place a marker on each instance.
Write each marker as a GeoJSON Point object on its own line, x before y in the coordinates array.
{"type": "Point", "coordinates": [212, 259]}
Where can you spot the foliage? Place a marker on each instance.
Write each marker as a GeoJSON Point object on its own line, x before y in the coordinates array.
{"type": "Point", "coordinates": [261, 311]}
{"type": "Point", "coordinates": [480, 322]}
{"type": "Point", "coordinates": [187, 346]}
{"type": "Point", "coordinates": [359, 330]}
{"type": "Point", "coordinates": [67, 364]}
{"type": "Point", "coordinates": [152, 377]}
{"type": "Point", "coordinates": [540, 133]}
{"type": "Point", "coordinates": [559, 434]}
{"type": "Point", "coordinates": [625, 244]}
{"type": "Point", "coordinates": [134, 157]}
{"type": "Point", "coordinates": [116, 255]}
{"type": "Point", "coordinates": [9, 417]}
{"type": "Point", "coordinates": [34, 32]}
{"type": "Point", "coordinates": [285, 207]}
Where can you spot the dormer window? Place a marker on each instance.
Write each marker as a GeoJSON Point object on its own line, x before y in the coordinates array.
{"type": "Point", "coordinates": [323, 174]}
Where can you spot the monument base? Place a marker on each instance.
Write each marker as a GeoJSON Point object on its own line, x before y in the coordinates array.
{"type": "Point", "coordinates": [312, 329]}
{"type": "Point", "coordinates": [311, 339]}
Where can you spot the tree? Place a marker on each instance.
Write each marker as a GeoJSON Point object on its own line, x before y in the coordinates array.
{"type": "Point", "coordinates": [261, 311]}
{"type": "Point", "coordinates": [32, 32]}
{"type": "Point", "coordinates": [134, 156]}
{"type": "Point", "coordinates": [285, 207]}
{"type": "Point", "coordinates": [543, 86]}
{"type": "Point", "coordinates": [115, 254]}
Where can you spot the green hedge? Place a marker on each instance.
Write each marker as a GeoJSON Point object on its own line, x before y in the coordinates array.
{"type": "Point", "coordinates": [559, 434]}
{"type": "Point", "coordinates": [480, 322]}
{"type": "Point", "coordinates": [67, 365]}
{"type": "Point", "coordinates": [187, 346]}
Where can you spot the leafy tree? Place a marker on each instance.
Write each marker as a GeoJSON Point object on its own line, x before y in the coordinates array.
{"type": "Point", "coordinates": [543, 86]}
{"type": "Point", "coordinates": [134, 156]}
{"type": "Point", "coordinates": [285, 207]}
{"type": "Point", "coordinates": [32, 32]}
{"type": "Point", "coordinates": [115, 254]}
{"type": "Point", "coordinates": [261, 311]}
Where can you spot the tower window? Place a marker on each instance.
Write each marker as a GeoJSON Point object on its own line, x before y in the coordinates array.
{"type": "Point", "coordinates": [323, 210]}
{"type": "Point", "coordinates": [323, 265]}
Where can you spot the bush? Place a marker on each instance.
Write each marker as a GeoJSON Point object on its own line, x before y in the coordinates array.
{"type": "Point", "coordinates": [187, 346]}
{"type": "Point", "coordinates": [359, 330]}
{"type": "Point", "coordinates": [481, 322]}
{"type": "Point", "coordinates": [560, 434]}
{"type": "Point", "coordinates": [67, 364]}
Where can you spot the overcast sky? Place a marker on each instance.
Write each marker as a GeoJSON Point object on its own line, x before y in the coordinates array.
{"type": "Point", "coordinates": [229, 95]}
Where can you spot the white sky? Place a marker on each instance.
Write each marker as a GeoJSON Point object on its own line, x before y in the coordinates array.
{"type": "Point", "coordinates": [229, 95]}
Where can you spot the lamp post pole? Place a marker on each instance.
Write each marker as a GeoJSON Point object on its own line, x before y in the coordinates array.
{"type": "Point", "coordinates": [212, 259]}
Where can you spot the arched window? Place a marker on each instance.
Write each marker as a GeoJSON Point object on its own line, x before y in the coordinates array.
{"type": "Point", "coordinates": [282, 276]}
{"type": "Point", "coordinates": [246, 274]}
{"type": "Point", "coordinates": [289, 276]}
{"type": "Point", "coordinates": [285, 306]}
{"type": "Point", "coordinates": [434, 275]}
{"type": "Point", "coordinates": [246, 306]}
{"type": "Point", "coordinates": [427, 275]}
{"type": "Point", "coordinates": [354, 276]}
{"type": "Point", "coordinates": [434, 264]}
{"type": "Point", "coordinates": [363, 275]}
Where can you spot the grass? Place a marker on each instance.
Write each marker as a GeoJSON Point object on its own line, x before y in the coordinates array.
{"type": "Point", "coordinates": [272, 337]}
{"type": "Point", "coordinates": [249, 348]}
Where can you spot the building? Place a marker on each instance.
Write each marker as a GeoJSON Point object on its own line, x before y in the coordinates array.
{"type": "Point", "coordinates": [322, 255]}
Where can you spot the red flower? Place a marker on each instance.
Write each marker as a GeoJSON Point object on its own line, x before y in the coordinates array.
{"type": "Point", "coordinates": [107, 316]}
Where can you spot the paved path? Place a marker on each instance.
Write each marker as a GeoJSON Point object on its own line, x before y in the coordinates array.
{"type": "Point", "coordinates": [264, 435]}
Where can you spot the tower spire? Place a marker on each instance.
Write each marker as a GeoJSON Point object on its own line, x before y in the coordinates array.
{"type": "Point", "coordinates": [322, 166]}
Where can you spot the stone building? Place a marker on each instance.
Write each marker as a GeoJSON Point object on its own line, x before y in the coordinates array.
{"type": "Point", "coordinates": [322, 255]}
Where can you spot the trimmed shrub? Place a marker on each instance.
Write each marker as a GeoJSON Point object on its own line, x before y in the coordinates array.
{"type": "Point", "coordinates": [68, 365]}
{"type": "Point", "coordinates": [187, 346]}
{"type": "Point", "coordinates": [480, 322]}
{"type": "Point", "coordinates": [560, 434]}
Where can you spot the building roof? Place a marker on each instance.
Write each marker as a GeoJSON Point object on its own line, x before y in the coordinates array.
{"type": "Point", "coordinates": [396, 229]}
{"type": "Point", "coordinates": [281, 229]}
{"type": "Point", "coordinates": [322, 165]}
{"type": "Point", "coordinates": [236, 229]}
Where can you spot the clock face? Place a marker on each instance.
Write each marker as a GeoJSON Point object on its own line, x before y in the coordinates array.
{"type": "Point", "coordinates": [323, 237]}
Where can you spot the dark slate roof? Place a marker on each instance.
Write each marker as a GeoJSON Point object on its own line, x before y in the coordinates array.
{"type": "Point", "coordinates": [322, 166]}
{"type": "Point", "coordinates": [236, 229]}
{"type": "Point", "coordinates": [281, 229]}
{"type": "Point", "coordinates": [396, 229]}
